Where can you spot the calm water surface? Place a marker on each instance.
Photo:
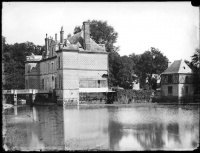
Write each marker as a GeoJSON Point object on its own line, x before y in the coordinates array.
{"type": "Point", "coordinates": [102, 128]}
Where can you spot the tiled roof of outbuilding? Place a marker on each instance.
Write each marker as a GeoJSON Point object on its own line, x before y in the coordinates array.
{"type": "Point", "coordinates": [178, 66]}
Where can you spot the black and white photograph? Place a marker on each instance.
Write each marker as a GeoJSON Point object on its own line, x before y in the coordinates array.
{"type": "Point", "coordinates": [100, 76]}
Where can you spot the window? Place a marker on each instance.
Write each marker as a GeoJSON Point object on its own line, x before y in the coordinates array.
{"type": "Point", "coordinates": [29, 68]}
{"type": "Point", "coordinates": [186, 79]}
{"type": "Point", "coordinates": [42, 84]}
{"type": "Point", "coordinates": [98, 83]}
{"type": "Point", "coordinates": [26, 84]}
{"type": "Point", "coordinates": [170, 88]}
{"type": "Point", "coordinates": [93, 83]}
{"type": "Point", "coordinates": [60, 82]}
{"type": "Point", "coordinates": [56, 83]}
{"type": "Point", "coordinates": [186, 90]}
{"type": "Point", "coordinates": [49, 68]}
{"type": "Point", "coordinates": [58, 62]}
{"type": "Point", "coordinates": [52, 52]}
{"type": "Point", "coordinates": [103, 83]}
{"type": "Point", "coordinates": [52, 67]}
{"type": "Point", "coordinates": [169, 78]}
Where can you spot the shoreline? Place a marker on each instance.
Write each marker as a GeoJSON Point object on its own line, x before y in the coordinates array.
{"type": "Point", "coordinates": [116, 105]}
{"type": "Point", "coordinates": [7, 106]}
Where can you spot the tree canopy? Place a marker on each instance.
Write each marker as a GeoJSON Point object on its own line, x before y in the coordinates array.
{"type": "Point", "coordinates": [13, 57]}
{"type": "Point", "coordinates": [195, 66]}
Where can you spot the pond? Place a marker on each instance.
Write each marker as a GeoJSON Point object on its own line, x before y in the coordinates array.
{"type": "Point", "coordinates": [92, 127]}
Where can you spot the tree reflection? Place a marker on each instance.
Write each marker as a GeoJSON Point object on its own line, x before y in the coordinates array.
{"type": "Point", "coordinates": [150, 135]}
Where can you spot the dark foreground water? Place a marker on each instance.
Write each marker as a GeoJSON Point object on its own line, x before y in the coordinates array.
{"type": "Point", "coordinates": [101, 128]}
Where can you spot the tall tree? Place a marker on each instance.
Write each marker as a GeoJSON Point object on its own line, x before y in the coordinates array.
{"type": "Point", "coordinates": [151, 62]}
{"type": "Point", "coordinates": [114, 67]}
{"type": "Point", "coordinates": [13, 57]}
{"type": "Point", "coordinates": [195, 66]}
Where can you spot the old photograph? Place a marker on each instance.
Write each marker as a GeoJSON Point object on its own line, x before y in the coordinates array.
{"type": "Point", "coordinates": [100, 76]}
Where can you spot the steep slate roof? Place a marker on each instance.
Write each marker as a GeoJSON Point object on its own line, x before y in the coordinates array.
{"type": "Point", "coordinates": [178, 66]}
{"type": "Point", "coordinates": [78, 39]}
{"type": "Point", "coordinates": [75, 38]}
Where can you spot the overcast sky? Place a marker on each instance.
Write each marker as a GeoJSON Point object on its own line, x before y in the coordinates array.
{"type": "Point", "coordinates": [172, 27]}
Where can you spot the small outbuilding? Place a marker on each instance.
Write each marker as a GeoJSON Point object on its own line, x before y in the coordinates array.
{"type": "Point", "coordinates": [176, 80]}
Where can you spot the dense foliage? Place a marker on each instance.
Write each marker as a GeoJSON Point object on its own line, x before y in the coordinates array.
{"type": "Point", "coordinates": [13, 57]}
{"type": "Point", "coordinates": [194, 64]}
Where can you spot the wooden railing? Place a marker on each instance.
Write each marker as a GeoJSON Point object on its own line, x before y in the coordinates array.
{"type": "Point", "coordinates": [24, 91]}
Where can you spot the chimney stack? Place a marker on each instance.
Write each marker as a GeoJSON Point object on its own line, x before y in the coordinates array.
{"type": "Point", "coordinates": [46, 46]}
{"type": "Point", "coordinates": [86, 35]}
{"type": "Point", "coordinates": [169, 63]}
{"type": "Point", "coordinates": [61, 35]}
{"type": "Point", "coordinates": [56, 37]}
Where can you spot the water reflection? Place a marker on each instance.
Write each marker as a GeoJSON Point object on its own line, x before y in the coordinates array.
{"type": "Point", "coordinates": [105, 128]}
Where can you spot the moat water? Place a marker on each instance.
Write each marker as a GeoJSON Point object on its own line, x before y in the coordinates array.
{"type": "Point", "coordinates": [101, 128]}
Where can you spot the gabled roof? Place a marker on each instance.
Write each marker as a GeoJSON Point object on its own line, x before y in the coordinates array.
{"type": "Point", "coordinates": [178, 66]}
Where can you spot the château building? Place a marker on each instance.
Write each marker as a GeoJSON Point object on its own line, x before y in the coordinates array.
{"type": "Point", "coordinates": [69, 67]}
{"type": "Point", "coordinates": [176, 80]}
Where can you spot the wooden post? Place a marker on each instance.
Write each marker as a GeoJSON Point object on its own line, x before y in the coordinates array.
{"type": "Point", "coordinates": [34, 114]}
{"type": "Point", "coordinates": [30, 99]}
{"type": "Point", "coordinates": [15, 97]}
{"type": "Point", "coordinates": [33, 96]}
{"type": "Point", "coordinates": [15, 110]}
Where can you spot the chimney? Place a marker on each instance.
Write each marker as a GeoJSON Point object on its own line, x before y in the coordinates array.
{"type": "Point", "coordinates": [47, 46]}
{"type": "Point", "coordinates": [61, 35]}
{"type": "Point", "coordinates": [56, 37]}
{"type": "Point", "coordinates": [169, 63]}
{"type": "Point", "coordinates": [86, 35]}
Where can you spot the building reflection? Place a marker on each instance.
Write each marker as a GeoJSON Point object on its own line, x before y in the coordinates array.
{"type": "Point", "coordinates": [85, 128]}
{"type": "Point", "coordinates": [36, 128]}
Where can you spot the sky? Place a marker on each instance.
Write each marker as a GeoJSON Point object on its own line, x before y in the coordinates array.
{"type": "Point", "coordinates": [172, 27]}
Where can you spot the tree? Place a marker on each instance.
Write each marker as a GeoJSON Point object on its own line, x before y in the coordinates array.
{"type": "Point", "coordinates": [13, 57]}
{"type": "Point", "coordinates": [151, 62]}
{"type": "Point", "coordinates": [77, 29]}
{"type": "Point", "coordinates": [125, 75]}
{"type": "Point", "coordinates": [114, 67]}
{"type": "Point", "coordinates": [194, 65]}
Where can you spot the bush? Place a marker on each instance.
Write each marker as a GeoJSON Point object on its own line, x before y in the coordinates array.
{"type": "Point", "coordinates": [187, 99]}
{"type": "Point", "coordinates": [133, 96]}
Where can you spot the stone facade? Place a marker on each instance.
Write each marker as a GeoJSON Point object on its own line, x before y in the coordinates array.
{"type": "Point", "coordinates": [75, 64]}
